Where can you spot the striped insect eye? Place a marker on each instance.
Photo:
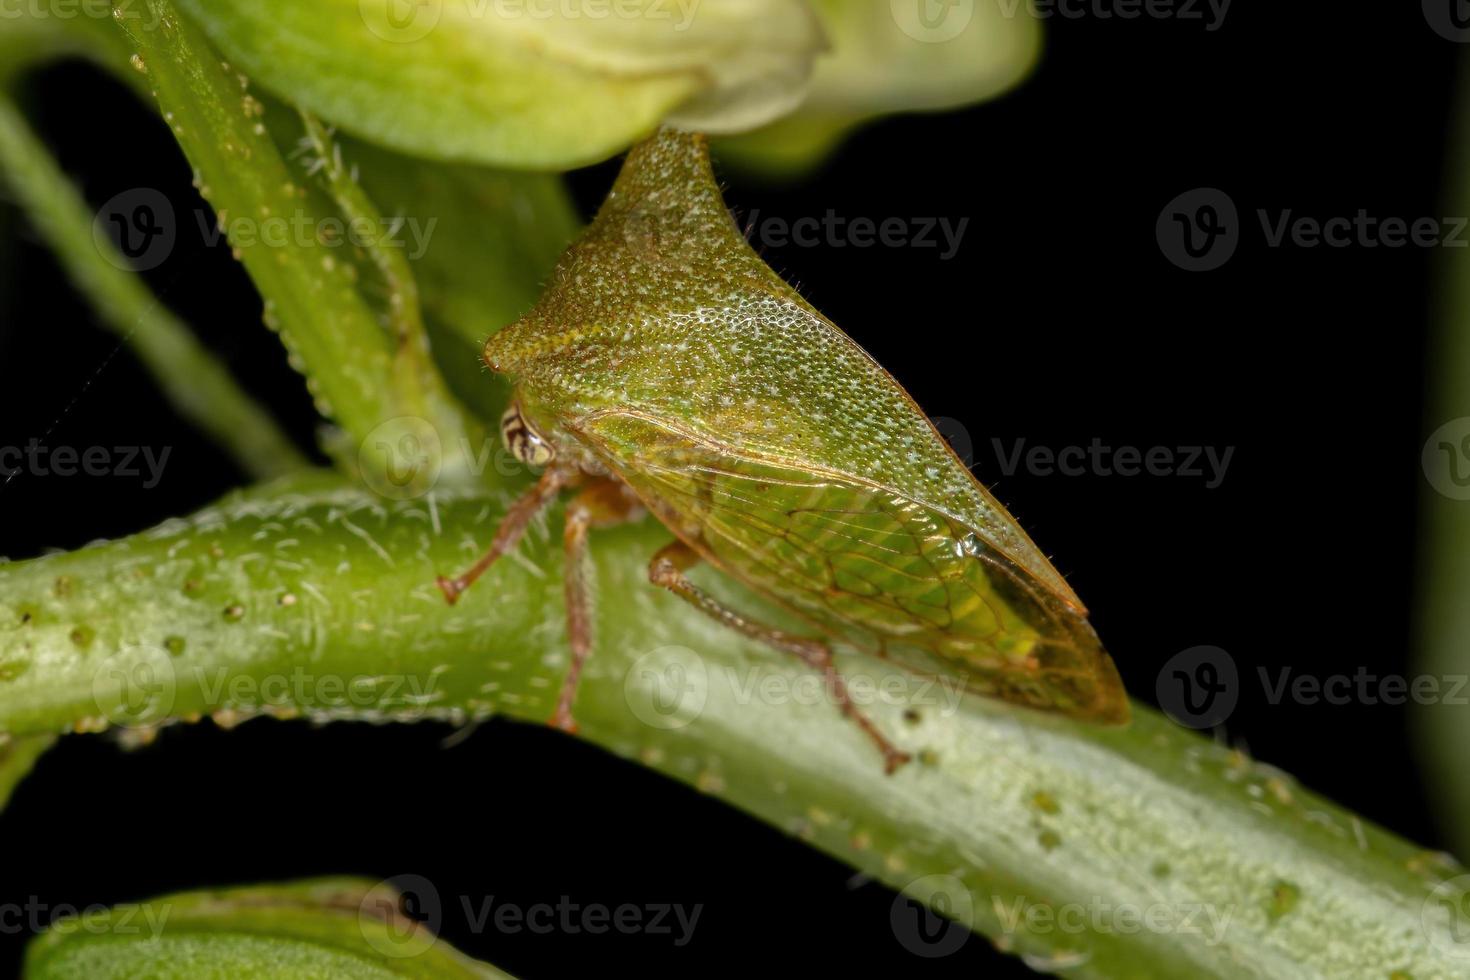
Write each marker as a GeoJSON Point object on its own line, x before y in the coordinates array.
{"type": "Point", "coordinates": [524, 442]}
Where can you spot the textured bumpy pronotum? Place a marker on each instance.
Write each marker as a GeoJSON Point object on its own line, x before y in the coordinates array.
{"type": "Point", "coordinates": [667, 369]}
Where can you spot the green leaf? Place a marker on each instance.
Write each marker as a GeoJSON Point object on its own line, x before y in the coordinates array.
{"type": "Point", "coordinates": [892, 56]}
{"type": "Point", "coordinates": [496, 235]}
{"type": "Point", "coordinates": [333, 927]}
{"type": "Point", "coordinates": [518, 83]}
{"type": "Point", "coordinates": [1006, 817]}
{"type": "Point", "coordinates": [17, 756]}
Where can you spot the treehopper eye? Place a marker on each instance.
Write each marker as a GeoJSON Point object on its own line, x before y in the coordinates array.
{"type": "Point", "coordinates": [668, 370]}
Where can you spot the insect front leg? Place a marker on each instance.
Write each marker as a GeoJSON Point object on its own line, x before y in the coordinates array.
{"type": "Point", "coordinates": [667, 570]}
{"type": "Point", "coordinates": [602, 504]}
{"type": "Point", "coordinates": [512, 526]}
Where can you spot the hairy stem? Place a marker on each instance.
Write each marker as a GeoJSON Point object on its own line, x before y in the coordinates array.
{"type": "Point", "coordinates": [1146, 851]}
{"type": "Point", "coordinates": [290, 237]}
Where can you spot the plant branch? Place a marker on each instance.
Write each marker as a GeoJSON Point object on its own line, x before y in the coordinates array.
{"type": "Point", "coordinates": [318, 601]}
{"type": "Point", "coordinates": [310, 281]}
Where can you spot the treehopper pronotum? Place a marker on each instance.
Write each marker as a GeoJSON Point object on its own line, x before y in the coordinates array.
{"type": "Point", "coordinates": [668, 370]}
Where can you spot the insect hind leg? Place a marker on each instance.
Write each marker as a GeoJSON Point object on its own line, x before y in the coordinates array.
{"type": "Point", "coordinates": [667, 571]}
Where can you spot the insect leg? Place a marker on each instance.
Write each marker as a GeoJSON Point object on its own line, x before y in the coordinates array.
{"type": "Point", "coordinates": [512, 526]}
{"type": "Point", "coordinates": [602, 504]}
{"type": "Point", "coordinates": [667, 570]}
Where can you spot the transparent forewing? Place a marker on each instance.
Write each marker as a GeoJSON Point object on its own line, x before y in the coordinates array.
{"type": "Point", "coordinates": [869, 566]}
{"type": "Point", "coordinates": [662, 309]}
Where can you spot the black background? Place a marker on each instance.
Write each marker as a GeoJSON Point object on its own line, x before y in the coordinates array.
{"type": "Point", "coordinates": [1058, 321]}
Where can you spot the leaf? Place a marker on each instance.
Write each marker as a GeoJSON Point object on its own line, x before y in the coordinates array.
{"type": "Point", "coordinates": [489, 239]}
{"type": "Point", "coordinates": [333, 927]}
{"type": "Point", "coordinates": [515, 83]}
{"type": "Point", "coordinates": [17, 756]}
{"type": "Point", "coordinates": [892, 56]}
{"type": "Point", "coordinates": [1003, 810]}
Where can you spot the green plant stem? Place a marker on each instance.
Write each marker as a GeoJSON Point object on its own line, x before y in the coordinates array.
{"type": "Point", "coordinates": [319, 602]}
{"type": "Point", "coordinates": [420, 387]}
{"type": "Point", "coordinates": [1444, 574]}
{"type": "Point", "coordinates": [197, 385]}
{"type": "Point", "coordinates": [310, 281]}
